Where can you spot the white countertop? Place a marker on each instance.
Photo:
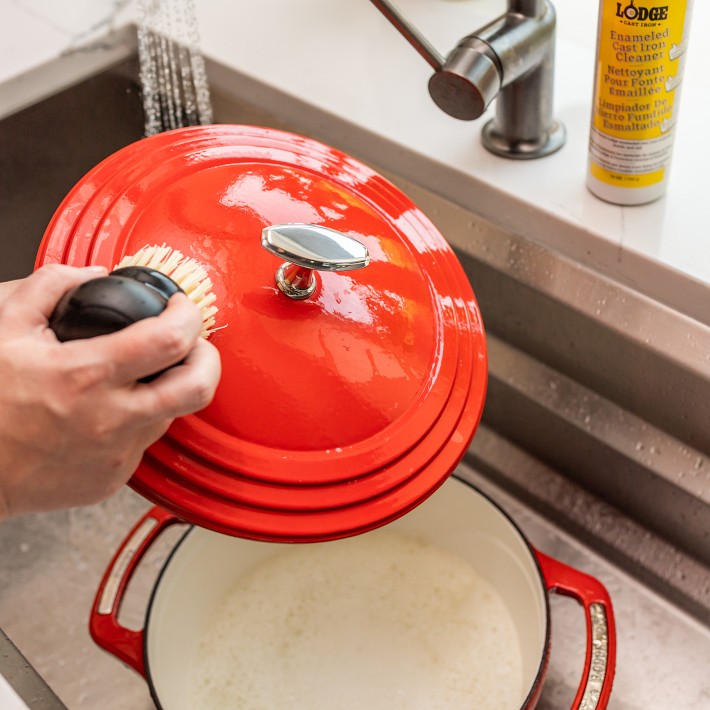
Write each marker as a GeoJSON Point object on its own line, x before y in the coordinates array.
{"type": "Point", "coordinates": [345, 59]}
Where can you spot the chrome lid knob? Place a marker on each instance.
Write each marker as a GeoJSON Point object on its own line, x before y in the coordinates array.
{"type": "Point", "coordinates": [308, 248]}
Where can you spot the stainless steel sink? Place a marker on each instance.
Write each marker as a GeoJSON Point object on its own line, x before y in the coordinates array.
{"type": "Point", "coordinates": [571, 444]}
{"type": "Point", "coordinates": [45, 149]}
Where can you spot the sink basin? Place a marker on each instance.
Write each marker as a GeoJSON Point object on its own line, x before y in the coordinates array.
{"type": "Point", "coordinates": [575, 443]}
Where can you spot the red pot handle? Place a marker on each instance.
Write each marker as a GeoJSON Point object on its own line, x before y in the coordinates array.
{"type": "Point", "coordinates": [600, 662]}
{"type": "Point", "coordinates": [126, 644]}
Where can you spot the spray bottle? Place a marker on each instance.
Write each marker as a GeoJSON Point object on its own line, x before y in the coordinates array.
{"type": "Point", "coordinates": [639, 67]}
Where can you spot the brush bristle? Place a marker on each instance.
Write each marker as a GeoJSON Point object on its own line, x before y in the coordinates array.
{"type": "Point", "coordinates": [187, 273]}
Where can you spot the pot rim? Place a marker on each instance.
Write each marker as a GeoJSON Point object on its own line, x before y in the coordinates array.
{"type": "Point", "coordinates": [535, 687]}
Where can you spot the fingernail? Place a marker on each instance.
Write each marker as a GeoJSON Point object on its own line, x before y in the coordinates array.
{"type": "Point", "coordinates": [97, 269]}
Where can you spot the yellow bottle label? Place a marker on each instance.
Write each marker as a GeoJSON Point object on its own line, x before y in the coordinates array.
{"type": "Point", "coordinates": [638, 73]}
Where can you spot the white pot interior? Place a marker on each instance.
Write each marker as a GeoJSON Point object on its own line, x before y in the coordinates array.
{"type": "Point", "coordinates": [457, 519]}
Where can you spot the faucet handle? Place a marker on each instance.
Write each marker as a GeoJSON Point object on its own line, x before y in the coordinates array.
{"type": "Point", "coordinates": [308, 248]}
{"type": "Point", "coordinates": [469, 80]}
{"type": "Point", "coordinates": [464, 83]}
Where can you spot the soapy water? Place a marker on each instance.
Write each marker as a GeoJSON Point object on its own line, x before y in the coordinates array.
{"type": "Point", "coordinates": [172, 69]}
{"type": "Point", "coordinates": [376, 621]}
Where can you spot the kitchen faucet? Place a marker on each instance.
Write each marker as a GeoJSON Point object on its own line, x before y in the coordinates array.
{"type": "Point", "coordinates": [511, 58]}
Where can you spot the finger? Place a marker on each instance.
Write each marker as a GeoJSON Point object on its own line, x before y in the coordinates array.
{"type": "Point", "coordinates": [7, 288]}
{"type": "Point", "coordinates": [184, 389]}
{"type": "Point", "coordinates": [35, 297]}
{"type": "Point", "coordinates": [149, 345]}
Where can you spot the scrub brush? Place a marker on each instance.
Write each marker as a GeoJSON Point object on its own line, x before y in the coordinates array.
{"type": "Point", "coordinates": [187, 273]}
{"type": "Point", "coordinates": [139, 287]}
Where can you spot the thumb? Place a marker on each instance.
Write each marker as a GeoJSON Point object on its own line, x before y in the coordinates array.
{"type": "Point", "coordinates": [36, 296]}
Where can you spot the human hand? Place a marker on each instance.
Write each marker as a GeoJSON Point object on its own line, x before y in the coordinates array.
{"type": "Point", "coordinates": [74, 420]}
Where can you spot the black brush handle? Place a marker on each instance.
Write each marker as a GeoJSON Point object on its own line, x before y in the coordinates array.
{"type": "Point", "coordinates": [110, 303]}
{"type": "Point", "coordinates": [150, 277]}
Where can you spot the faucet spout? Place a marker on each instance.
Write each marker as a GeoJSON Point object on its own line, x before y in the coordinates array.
{"type": "Point", "coordinates": [511, 59]}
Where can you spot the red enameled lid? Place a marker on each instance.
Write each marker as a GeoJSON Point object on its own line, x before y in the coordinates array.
{"type": "Point", "coordinates": [337, 410]}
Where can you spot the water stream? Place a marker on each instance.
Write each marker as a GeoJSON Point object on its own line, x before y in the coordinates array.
{"type": "Point", "coordinates": [172, 69]}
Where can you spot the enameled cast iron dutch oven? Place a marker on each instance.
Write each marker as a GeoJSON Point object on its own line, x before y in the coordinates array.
{"type": "Point", "coordinates": [204, 568]}
{"type": "Point", "coordinates": [339, 410]}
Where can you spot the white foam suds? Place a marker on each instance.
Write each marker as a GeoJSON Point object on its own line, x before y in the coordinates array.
{"type": "Point", "coordinates": [376, 621]}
